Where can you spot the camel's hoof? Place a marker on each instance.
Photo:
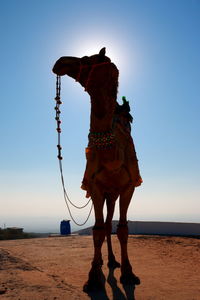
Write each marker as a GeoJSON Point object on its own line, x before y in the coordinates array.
{"type": "Point", "coordinates": [113, 264]}
{"type": "Point", "coordinates": [130, 279]}
{"type": "Point", "coordinates": [91, 286]}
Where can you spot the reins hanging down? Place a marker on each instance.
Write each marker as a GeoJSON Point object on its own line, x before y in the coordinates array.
{"type": "Point", "coordinates": [57, 118]}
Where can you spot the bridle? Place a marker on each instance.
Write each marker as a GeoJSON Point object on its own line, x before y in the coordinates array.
{"type": "Point", "coordinates": [82, 66]}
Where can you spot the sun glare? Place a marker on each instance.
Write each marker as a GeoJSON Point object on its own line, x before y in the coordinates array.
{"type": "Point", "coordinates": [89, 41]}
{"type": "Point", "coordinates": [92, 46]}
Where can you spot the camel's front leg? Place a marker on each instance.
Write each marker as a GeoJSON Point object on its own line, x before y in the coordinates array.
{"type": "Point", "coordinates": [110, 201]}
{"type": "Point", "coordinates": [127, 276]}
{"type": "Point", "coordinates": [95, 274]}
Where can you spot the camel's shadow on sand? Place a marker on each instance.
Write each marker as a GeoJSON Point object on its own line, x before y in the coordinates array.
{"type": "Point", "coordinates": [118, 294]}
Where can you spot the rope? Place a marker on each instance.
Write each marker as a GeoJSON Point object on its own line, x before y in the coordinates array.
{"type": "Point", "coordinates": [57, 118]}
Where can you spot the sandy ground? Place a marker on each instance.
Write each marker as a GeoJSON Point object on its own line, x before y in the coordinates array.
{"type": "Point", "coordinates": [56, 268]}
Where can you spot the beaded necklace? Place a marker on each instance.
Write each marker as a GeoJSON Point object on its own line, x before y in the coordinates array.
{"type": "Point", "coordinates": [101, 140]}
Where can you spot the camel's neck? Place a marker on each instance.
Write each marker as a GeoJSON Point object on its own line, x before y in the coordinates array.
{"type": "Point", "coordinates": [102, 112]}
{"type": "Point", "coordinates": [102, 88]}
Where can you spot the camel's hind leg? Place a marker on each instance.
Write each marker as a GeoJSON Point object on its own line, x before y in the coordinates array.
{"type": "Point", "coordinates": [110, 202]}
{"type": "Point", "coordinates": [127, 276]}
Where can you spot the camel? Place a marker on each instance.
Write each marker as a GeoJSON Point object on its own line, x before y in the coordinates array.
{"type": "Point", "coordinates": [112, 167]}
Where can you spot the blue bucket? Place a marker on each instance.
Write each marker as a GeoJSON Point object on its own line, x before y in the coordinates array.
{"type": "Point", "coordinates": [65, 227]}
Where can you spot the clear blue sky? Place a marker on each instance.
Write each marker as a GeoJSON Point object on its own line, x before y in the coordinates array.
{"type": "Point", "coordinates": [156, 46]}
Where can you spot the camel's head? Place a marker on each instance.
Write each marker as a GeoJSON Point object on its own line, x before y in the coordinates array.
{"type": "Point", "coordinates": [79, 68]}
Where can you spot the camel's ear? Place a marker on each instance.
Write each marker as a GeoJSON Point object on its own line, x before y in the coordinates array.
{"type": "Point", "coordinates": [102, 52]}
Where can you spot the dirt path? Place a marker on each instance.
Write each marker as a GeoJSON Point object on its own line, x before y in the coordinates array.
{"type": "Point", "coordinates": [56, 269]}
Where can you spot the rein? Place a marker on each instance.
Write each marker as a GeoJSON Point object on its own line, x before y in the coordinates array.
{"type": "Point", "coordinates": [59, 156]}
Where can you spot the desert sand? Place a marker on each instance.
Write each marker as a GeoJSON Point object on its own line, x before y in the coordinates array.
{"type": "Point", "coordinates": [56, 268]}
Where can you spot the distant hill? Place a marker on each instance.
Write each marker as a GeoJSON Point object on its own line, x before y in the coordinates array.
{"type": "Point", "coordinates": [13, 233]}
{"type": "Point", "coordinates": [154, 228]}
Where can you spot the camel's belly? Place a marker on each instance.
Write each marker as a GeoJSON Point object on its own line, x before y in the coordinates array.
{"type": "Point", "coordinates": [112, 180]}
